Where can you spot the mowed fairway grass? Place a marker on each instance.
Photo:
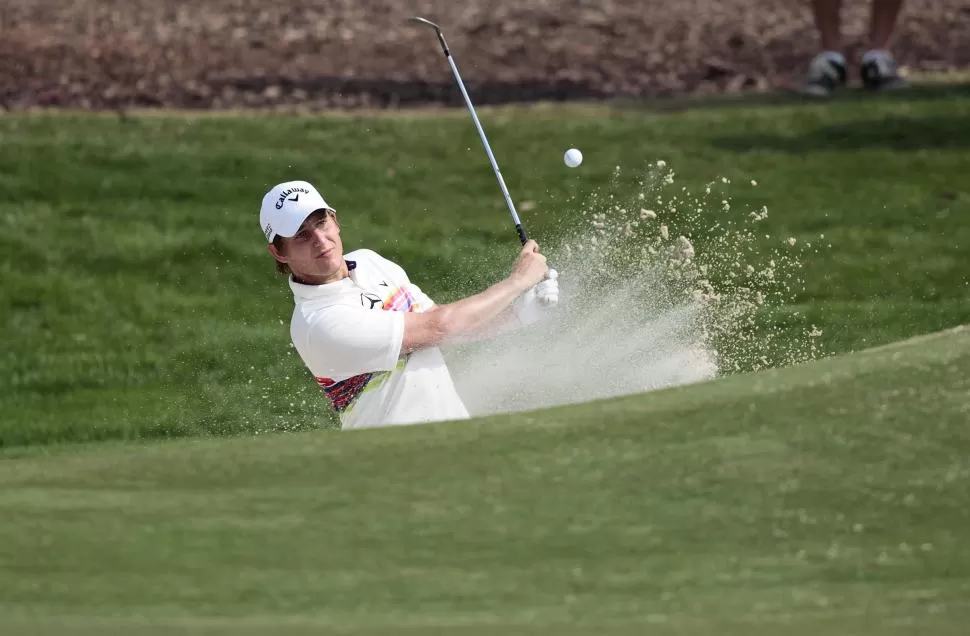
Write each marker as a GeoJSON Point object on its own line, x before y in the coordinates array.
{"type": "Point", "coordinates": [138, 303]}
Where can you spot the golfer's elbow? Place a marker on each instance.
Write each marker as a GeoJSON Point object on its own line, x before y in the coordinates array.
{"type": "Point", "coordinates": [429, 328]}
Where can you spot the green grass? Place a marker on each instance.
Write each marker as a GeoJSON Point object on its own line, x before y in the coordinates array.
{"type": "Point", "coordinates": [138, 301]}
{"type": "Point", "coordinates": [821, 498]}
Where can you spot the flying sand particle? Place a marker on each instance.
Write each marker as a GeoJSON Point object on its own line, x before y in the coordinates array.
{"type": "Point", "coordinates": [685, 246]}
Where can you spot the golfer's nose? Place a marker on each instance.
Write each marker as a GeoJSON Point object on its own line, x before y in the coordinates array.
{"type": "Point", "coordinates": [320, 237]}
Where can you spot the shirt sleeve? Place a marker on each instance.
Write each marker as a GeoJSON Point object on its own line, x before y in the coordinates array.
{"type": "Point", "coordinates": [343, 341]}
{"type": "Point", "coordinates": [421, 299]}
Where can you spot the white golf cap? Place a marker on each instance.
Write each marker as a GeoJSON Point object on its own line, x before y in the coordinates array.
{"type": "Point", "coordinates": [287, 206]}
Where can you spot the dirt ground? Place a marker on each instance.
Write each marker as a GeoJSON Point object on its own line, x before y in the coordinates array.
{"type": "Point", "coordinates": [315, 54]}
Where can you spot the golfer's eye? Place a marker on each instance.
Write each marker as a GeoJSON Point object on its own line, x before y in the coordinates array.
{"type": "Point", "coordinates": [302, 236]}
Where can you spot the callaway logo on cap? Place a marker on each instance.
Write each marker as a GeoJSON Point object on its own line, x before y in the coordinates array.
{"type": "Point", "coordinates": [287, 206]}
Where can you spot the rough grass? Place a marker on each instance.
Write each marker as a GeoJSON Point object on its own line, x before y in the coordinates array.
{"type": "Point", "coordinates": [137, 299]}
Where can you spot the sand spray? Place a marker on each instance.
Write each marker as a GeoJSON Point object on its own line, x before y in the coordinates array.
{"type": "Point", "coordinates": [659, 288]}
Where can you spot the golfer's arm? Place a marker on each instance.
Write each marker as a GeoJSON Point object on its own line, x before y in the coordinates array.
{"type": "Point", "coordinates": [459, 319]}
{"type": "Point", "coordinates": [503, 323]}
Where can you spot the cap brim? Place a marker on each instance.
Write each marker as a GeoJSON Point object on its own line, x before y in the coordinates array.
{"type": "Point", "coordinates": [292, 224]}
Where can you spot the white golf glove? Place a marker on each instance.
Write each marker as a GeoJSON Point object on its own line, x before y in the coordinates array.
{"type": "Point", "coordinates": [531, 306]}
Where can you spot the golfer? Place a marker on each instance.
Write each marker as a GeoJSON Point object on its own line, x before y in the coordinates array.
{"type": "Point", "coordinates": [368, 335]}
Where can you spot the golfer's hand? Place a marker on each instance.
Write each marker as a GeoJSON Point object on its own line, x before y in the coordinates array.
{"type": "Point", "coordinates": [547, 292]}
{"type": "Point", "coordinates": [530, 267]}
{"type": "Point", "coordinates": [536, 302]}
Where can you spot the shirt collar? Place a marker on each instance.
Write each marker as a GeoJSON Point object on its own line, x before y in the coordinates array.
{"type": "Point", "coordinates": [319, 291]}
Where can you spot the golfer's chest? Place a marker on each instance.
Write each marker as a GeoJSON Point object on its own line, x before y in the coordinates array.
{"type": "Point", "coordinates": [382, 294]}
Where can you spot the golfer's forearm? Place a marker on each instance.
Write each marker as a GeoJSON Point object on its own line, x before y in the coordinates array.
{"type": "Point", "coordinates": [457, 321]}
{"type": "Point", "coordinates": [480, 311]}
{"type": "Point", "coordinates": [504, 322]}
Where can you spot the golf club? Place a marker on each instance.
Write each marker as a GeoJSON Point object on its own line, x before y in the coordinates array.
{"type": "Point", "coordinates": [478, 126]}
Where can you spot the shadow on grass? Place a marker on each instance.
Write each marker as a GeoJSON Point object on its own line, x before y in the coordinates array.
{"type": "Point", "coordinates": [405, 93]}
{"type": "Point", "coordinates": [917, 93]}
{"type": "Point", "coordinates": [887, 132]}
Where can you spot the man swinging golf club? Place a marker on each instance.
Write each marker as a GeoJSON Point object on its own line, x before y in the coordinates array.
{"type": "Point", "coordinates": [368, 335]}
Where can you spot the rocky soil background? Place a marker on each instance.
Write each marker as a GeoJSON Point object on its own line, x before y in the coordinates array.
{"type": "Point", "coordinates": [317, 54]}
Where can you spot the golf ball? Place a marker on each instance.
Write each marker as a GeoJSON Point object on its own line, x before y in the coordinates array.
{"type": "Point", "coordinates": [573, 157]}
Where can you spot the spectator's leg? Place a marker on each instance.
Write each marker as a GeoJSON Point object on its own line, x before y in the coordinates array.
{"type": "Point", "coordinates": [883, 22]}
{"type": "Point", "coordinates": [828, 21]}
{"type": "Point", "coordinates": [827, 70]}
{"type": "Point", "coordinates": [878, 66]}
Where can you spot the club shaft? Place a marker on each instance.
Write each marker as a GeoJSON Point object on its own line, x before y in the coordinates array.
{"type": "Point", "coordinates": [488, 148]}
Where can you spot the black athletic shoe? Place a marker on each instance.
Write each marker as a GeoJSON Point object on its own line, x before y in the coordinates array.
{"type": "Point", "coordinates": [826, 74]}
{"type": "Point", "coordinates": [879, 72]}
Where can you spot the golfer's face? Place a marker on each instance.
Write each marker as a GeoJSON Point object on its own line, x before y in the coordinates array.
{"type": "Point", "coordinates": [316, 250]}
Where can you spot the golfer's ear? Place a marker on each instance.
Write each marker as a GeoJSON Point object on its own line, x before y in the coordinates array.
{"type": "Point", "coordinates": [275, 253]}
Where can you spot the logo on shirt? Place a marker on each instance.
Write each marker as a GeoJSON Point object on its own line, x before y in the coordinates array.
{"type": "Point", "coordinates": [369, 300]}
{"type": "Point", "coordinates": [401, 300]}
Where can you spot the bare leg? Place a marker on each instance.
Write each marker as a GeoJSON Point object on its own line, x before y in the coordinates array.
{"type": "Point", "coordinates": [878, 66]}
{"type": "Point", "coordinates": [829, 23]}
{"type": "Point", "coordinates": [882, 23]}
{"type": "Point", "coordinates": [826, 73]}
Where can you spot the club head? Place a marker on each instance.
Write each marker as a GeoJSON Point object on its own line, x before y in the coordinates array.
{"type": "Point", "coordinates": [427, 22]}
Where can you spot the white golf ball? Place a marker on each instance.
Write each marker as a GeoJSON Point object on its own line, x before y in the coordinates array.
{"type": "Point", "coordinates": [573, 157]}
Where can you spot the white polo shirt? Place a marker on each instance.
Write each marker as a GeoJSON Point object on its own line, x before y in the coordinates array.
{"type": "Point", "coordinates": [349, 335]}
